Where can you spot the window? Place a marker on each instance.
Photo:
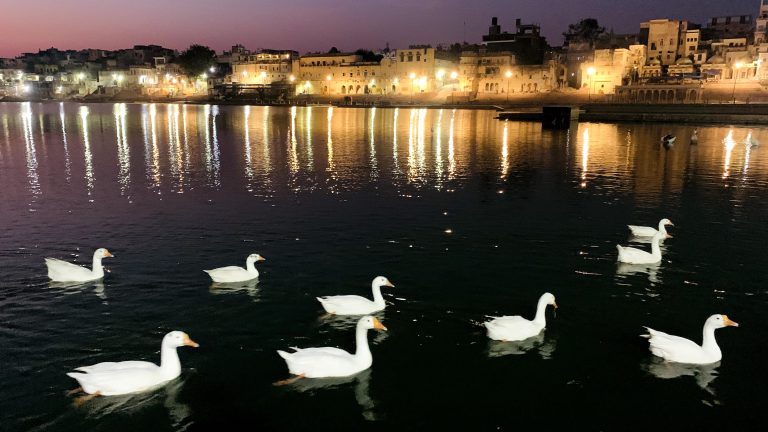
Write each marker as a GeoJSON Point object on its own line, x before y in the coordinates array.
{"type": "Point", "coordinates": [418, 57]}
{"type": "Point", "coordinates": [410, 57]}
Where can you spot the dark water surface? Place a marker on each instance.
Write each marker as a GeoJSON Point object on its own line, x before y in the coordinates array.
{"type": "Point", "coordinates": [469, 216]}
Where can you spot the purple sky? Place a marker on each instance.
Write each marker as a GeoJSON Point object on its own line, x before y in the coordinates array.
{"type": "Point", "coordinates": [311, 25]}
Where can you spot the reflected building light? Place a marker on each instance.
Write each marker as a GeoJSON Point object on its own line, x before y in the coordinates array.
{"type": "Point", "coordinates": [439, 150]}
{"type": "Point", "coordinates": [309, 148]}
{"type": "Point", "coordinates": [175, 149]}
{"type": "Point", "coordinates": [372, 144]}
{"type": "Point", "coordinates": [247, 147]}
{"type": "Point", "coordinates": [412, 125]}
{"type": "Point", "coordinates": [123, 158]}
{"type": "Point", "coordinates": [216, 151]}
{"type": "Point", "coordinates": [67, 161]}
{"type": "Point", "coordinates": [505, 152]}
{"type": "Point", "coordinates": [421, 139]}
{"type": "Point", "coordinates": [207, 155]}
{"type": "Point", "coordinates": [186, 138]}
{"type": "Point", "coordinates": [89, 179]}
{"type": "Point", "coordinates": [584, 157]}
{"type": "Point", "coordinates": [154, 166]}
{"type": "Point", "coordinates": [729, 145]}
{"type": "Point", "coordinates": [747, 152]}
{"type": "Point", "coordinates": [451, 148]}
{"type": "Point", "coordinates": [394, 140]}
{"type": "Point", "coordinates": [267, 164]}
{"type": "Point", "coordinates": [293, 159]}
{"type": "Point", "coordinates": [31, 152]}
{"type": "Point", "coordinates": [331, 165]}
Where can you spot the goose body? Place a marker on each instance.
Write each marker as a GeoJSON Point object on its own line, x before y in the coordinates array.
{"type": "Point", "coordinates": [695, 136]}
{"type": "Point", "coordinates": [668, 139]}
{"type": "Point", "coordinates": [62, 271]}
{"type": "Point", "coordinates": [117, 378]}
{"type": "Point", "coordinates": [646, 231]}
{"type": "Point", "coordinates": [236, 274]}
{"type": "Point", "coordinates": [632, 255]}
{"type": "Point", "coordinates": [357, 305]}
{"type": "Point", "coordinates": [329, 362]}
{"type": "Point", "coordinates": [517, 328]}
{"type": "Point", "coordinates": [681, 350]}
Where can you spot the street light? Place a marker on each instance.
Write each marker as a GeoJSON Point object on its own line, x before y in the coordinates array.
{"type": "Point", "coordinates": [508, 74]}
{"type": "Point", "coordinates": [590, 72]}
{"type": "Point", "coordinates": [735, 78]}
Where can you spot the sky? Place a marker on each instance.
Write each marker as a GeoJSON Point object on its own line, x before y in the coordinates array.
{"type": "Point", "coordinates": [317, 25]}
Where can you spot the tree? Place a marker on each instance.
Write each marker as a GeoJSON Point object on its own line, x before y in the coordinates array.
{"type": "Point", "coordinates": [333, 50]}
{"type": "Point", "coordinates": [368, 55]}
{"type": "Point", "coordinates": [196, 60]}
{"type": "Point", "coordinates": [586, 30]}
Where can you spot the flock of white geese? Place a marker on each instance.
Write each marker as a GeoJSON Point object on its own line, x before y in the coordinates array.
{"type": "Point", "coordinates": [125, 377]}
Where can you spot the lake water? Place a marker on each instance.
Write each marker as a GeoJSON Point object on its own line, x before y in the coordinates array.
{"type": "Point", "coordinates": [468, 216]}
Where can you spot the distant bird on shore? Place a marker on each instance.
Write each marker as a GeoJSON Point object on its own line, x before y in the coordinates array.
{"type": "Point", "coordinates": [695, 136]}
{"type": "Point", "coordinates": [680, 350]}
{"type": "Point", "coordinates": [668, 140]}
{"type": "Point", "coordinates": [750, 140]}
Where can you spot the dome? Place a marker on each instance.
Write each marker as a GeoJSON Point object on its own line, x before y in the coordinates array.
{"type": "Point", "coordinates": [683, 61]}
{"type": "Point", "coordinates": [715, 59]}
{"type": "Point", "coordinates": [654, 62]}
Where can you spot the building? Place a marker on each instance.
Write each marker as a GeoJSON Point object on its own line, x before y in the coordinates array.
{"type": "Point", "coordinates": [761, 24]}
{"type": "Point", "coordinates": [612, 68]}
{"type": "Point", "coordinates": [730, 27]}
{"type": "Point", "coordinates": [526, 43]}
{"type": "Point", "coordinates": [264, 67]}
{"type": "Point", "coordinates": [667, 39]}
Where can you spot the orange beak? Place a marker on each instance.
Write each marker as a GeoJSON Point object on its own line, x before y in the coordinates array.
{"type": "Point", "coordinates": [669, 235]}
{"type": "Point", "coordinates": [389, 284]}
{"type": "Point", "coordinates": [190, 342]}
{"type": "Point", "coordinates": [107, 254]}
{"type": "Point", "coordinates": [727, 321]}
{"type": "Point", "coordinates": [378, 325]}
{"type": "Point", "coordinates": [261, 259]}
{"type": "Point", "coordinates": [554, 305]}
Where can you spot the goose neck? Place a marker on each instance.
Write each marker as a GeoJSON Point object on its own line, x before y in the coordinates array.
{"type": "Point", "coordinates": [98, 269]}
{"type": "Point", "coordinates": [377, 297]}
{"type": "Point", "coordinates": [250, 266]}
{"type": "Point", "coordinates": [541, 309]}
{"type": "Point", "coordinates": [170, 366]}
{"type": "Point", "coordinates": [709, 343]}
{"type": "Point", "coordinates": [362, 351]}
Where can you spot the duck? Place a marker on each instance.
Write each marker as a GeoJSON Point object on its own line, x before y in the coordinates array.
{"type": "Point", "coordinates": [62, 271]}
{"type": "Point", "coordinates": [357, 305]}
{"type": "Point", "coordinates": [695, 136]}
{"type": "Point", "coordinates": [237, 274]}
{"type": "Point", "coordinates": [517, 328]}
{"type": "Point", "coordinates": [632, 255]}
{"type": "Point", "coordinates": [329, 362]}
{"type": "Point", "coordinates": [680, 350]}
{"type": "Point", "coordinates": [646, 231]}
{"type": "Point", "coordinates": [119, 378]}
{"type": "Point", "coordinates": [668, 140]}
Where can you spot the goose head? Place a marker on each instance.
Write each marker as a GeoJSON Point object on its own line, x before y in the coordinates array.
{"type": "Point", "coordinates": [256, 258]}
{"type": "Point", "coordinates": [102, 253]}
{"type": "Point", "coordinates": [549, 299]}
{"type": "Point", "coordinates": [381, 281]}
{"type": "Point", "coordinates": [177, 339]}
{"type": "Point", "coordinates": [369, 322]}
{"type": "Point", "coordinates": [719, 321]}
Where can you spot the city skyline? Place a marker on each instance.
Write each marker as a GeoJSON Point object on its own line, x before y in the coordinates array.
{"type": "Point", "coordinates": [288, 25]}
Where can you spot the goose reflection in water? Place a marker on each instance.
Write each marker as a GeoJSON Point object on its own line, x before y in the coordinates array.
{"type": "Point", "coordinates": [543, 346]}
{"type": "Point", "coordinates": [247, 287]}
{"type": "Point", "coordinates": [362, 385]}
{"type": "Point", "coordinates": [704, 375]}
{"type": "Point", "coordinates": [179, 414]}
{"type": "Point", "coordinates": [67, 288]}
{"type": "Point", "coordinates": [652, 270]}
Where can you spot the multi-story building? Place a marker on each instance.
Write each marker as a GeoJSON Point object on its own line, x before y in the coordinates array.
{"type": "Point", "coordinates": [613, 67]}
{"type": "Point", "coordinates": [663, 39]}
{"type": "Point", "coordinates": [526, 43]}
{"type": "Point", "coordinates": [264, 67]}
{"type": "Point", "coordinates": [730, 26]}
{"type": "Point", "coordinates": [761, 23]}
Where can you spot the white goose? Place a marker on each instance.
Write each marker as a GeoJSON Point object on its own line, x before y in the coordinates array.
{"type": "Point", "coordinates": [329, 362]}
{"type": "Point", "coordinates": [117, 378]}
{"type": "Point", "coordinates": [681, 350]}
{"type": "Point", "coordinates": [62, 271]}
{"type": "Point", "coordinates": [236, 274]}
{"type": "Point", "coordinates": [646, 231]}
{"type": "Point", "coordinates": [517, 328]}
{"type": "Point", "coordinates": [354, 304]}
{"type": "Point", "coordinates": [632, 255]}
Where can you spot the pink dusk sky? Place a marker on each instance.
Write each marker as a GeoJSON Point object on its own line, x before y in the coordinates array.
{"type": "Point", "coordinates": [305, 25]}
